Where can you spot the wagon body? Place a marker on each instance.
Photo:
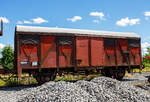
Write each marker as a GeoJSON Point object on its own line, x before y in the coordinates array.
{"type": "Point", "coordinates": [39, 48]}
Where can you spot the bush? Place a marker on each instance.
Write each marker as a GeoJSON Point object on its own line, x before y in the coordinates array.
{"type": "Point", "coordinates": [7, 60]}
{"type": "Point", "coordinates": [146, 59]}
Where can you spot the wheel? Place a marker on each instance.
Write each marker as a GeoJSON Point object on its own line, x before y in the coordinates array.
{"type": "Point", "coordinates": [52, 76]}
{"type": "Point", "coordinates": [43, 77]}
{"type": "Point", "coordinates": [39, 79]}
{"type": "Point", "coordinates": [106, 72]}
{"type": "Point", "coordinates": [149, 79]}
{"type": "Point", "coordinates": [119, 74]}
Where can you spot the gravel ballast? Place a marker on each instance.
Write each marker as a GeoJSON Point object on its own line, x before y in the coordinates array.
{"type": "Point", "coordinates": [100, 89]}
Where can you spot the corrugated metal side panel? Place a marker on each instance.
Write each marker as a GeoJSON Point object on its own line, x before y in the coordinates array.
{"type": "Point", "coordinates": [48, 51]}
{"type": "Point", "coordinates": [97, 51]}
{"type": "Point", "coordinates": [82, 51]}
{"type": "Point", "coordinates": [28, 55]}
{"type": "Point", "coordinates": [109, 56]}
{"type": "Point", "coordinates": [30, 51]}
{"type": "Point", "coordinates": [121, 48]}
{"type": "Point", "coordinates": [109, 52]}
{"type": "Point", "coordinates": [135, 56]}
{"type": "Point", "coordinates": [65, 56]}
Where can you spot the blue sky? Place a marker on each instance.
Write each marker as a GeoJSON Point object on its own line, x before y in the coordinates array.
{"type": "Point", "coordinates": [109, 15]}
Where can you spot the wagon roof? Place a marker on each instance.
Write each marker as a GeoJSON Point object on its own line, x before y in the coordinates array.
{"type": "Point", "coordinates": [77, 32]}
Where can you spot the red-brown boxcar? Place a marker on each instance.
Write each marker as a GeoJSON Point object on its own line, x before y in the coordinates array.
{"type": "Point", "coordinates": [43, 52]}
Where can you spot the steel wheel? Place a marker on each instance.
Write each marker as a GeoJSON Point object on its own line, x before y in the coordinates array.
{"type": "Point", "coordinates": [119, 74]}
{"type": "Point", "coordinates": [106, 72]}
{"type": "Point", "coordinates": [43, 77]}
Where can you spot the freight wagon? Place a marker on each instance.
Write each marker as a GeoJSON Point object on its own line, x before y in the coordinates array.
{"type": "Point", "coordinates": [44, 52]}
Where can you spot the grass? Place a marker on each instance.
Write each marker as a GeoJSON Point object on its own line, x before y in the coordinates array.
{"type": "Point", "coordinates": [70, 77]}
{"type": "Point", "coordinates": [7, 80]}
{"type": "Point", "coordinates": [2, 83]}
{"type": "Point", "coordinates": [65, 77]}
{"type": "Point", "coordinates": [146, 69]}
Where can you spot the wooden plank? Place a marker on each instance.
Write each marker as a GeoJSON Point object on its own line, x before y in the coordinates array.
{"type": "Point", "coordinates": [129, 63]}
{"type": "Point", "coordinates": [19, 70]}
{"type": "Point", "coordinates": [140, 53]}
{"type": "Point", "coordinates": [57, 53]}
{"type": "Point", "coordinates": [49, 50]}
{"type": "Point", "coordinates": [74, 54]}
{"type": "Point", "coordinates": [115, 52]}
{"type": "Point", "coordinates": [82, 51]}
{"type": "Point", "coordinates": [89, 52]}
{"type": "Point", "coordinates": [39, 54]}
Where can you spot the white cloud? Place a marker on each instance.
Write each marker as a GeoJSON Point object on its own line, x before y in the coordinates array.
{"type": "Point", "coordinates": [147, 13]}
{"type": "Point", "coordinates": [2, 46]}
{"type": "Point", "coordinates": [39, 20]}
{"type": "Point", "coordinates": [134, 21]}
{"type": "Point", "coordinates": [96, 21]}
{"type": "Point", "coordinates": [19, 22]}
{"type": "Point", "coordinates": [144, 46]}
{"type": "Point", "coordinates": [97, 14]}
{"type": "Point", "coordinates": [5, 20]}
{"type": "Point", "coordinates": [74, 19]}
{"type": "Point", "coordinates": [126, 21]}
{"type": "Point", "coordinates": [27, 22]}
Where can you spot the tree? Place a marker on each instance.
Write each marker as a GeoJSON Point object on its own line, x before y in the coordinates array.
{"type": "Point", "coordinates": [7, 59]}
{"type": "Point", "coordinates": [148, 52]}
{"type": "Point", "coordinates": [146, 58]}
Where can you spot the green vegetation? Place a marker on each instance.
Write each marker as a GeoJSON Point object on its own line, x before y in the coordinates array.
{"type": "Point", "coordinates": [70, 77]}
{"type": "Point", "coordinates": [9, 80]}
{"type": "Point", "coordinates": [2, 83]}
{"type": "Point", "coordinates": [7, 59]}
{"type": "Point", "coordinates": [146, 61]}
{"type": "Point", "coordinates": [146, 58]}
